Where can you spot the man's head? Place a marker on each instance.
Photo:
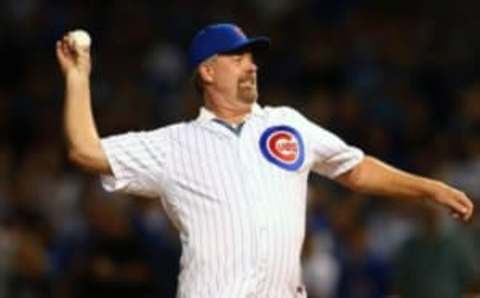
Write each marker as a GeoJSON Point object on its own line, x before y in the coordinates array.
{"type": "Point", "coordinates": [221, 58]}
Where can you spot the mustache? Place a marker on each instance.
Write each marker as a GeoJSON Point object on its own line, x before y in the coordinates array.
{"type": "Point", "coordinates": [249, 79]}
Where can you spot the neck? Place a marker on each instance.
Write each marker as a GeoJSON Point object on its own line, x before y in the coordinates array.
{"type": "Point", "coordinates": [232, 112]}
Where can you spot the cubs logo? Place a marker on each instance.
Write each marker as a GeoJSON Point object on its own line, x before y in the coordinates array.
{"type": "Point", "coordinates": [283, 146]}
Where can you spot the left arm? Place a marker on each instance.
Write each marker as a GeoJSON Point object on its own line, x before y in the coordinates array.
{"type": "Point", "coordinates": [371, 176]}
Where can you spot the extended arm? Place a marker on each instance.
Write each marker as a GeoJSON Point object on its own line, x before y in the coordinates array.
{"type": "Point", "coordinates": [83, 142]}
{"type": "Point", "coordinates": [374, 177]}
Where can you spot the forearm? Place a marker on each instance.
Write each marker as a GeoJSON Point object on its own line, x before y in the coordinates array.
{"type": "Point", "coordinates": [83, 142]}
{"type": "Point", "coordinates": [372, 176]}
{"type": "Point", "coordinates": [377, 178]}
{"type": "Point", "coordinates": [79, 125]}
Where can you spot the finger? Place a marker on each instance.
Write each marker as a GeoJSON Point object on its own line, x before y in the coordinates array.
{"type": "Point", "coordinates": [460, 215]}
{"type": "Point", "coordinates": [58, 46]}
{"type": "Point", "coordinates": [60, 50]}
{"type": "Point", "coordinates": [83, 51]}
{"type": "Point", "coordinates": [468, 216]}
{"type": "Point", "coordinates": [467, 203]}
{"type": "Point", "coordinates": [68, 50]}
{"type": "Point", "coordinates": [456, 206]}
{"type": "Point", "coordinates": [72, 46]}
{"type": "Point", "coordinates": [64, 56]}
{"type": "Point", "coordinates": [64, 47]}
{"type": "Point", "coordinates": [471, 207]}
{"type": "Point", "coordinates": [67, 45]}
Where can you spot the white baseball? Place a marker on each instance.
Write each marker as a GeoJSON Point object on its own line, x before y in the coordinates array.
{"type": "Point", "coordinates": [81, 38]}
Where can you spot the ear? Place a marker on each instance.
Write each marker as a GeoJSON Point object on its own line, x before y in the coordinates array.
{"type": "Point", "coordinates": [206, 73]}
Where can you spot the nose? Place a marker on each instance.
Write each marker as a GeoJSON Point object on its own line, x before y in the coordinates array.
{"type": "Point", "coordinates": [252, 66]}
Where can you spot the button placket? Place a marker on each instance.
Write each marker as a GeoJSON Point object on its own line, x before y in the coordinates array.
{"type": "Point", "coordinates": [258, 207]}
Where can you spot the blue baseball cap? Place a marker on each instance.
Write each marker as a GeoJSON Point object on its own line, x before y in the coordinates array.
{"type": "Point", "coordinates": [221, 39]}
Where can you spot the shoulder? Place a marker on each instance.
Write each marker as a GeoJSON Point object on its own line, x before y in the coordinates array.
{"type": "Point", "coordinates": [288, 115]}
{"type": "Point", "coordinates": [279, 110]}
{"type": "Point", "coordinates": [292, 117]}
{"type": "Point", "coordinates": [285, 112]}
{"type": "Point", "coordinates": [157, 135]}
{"type": "Point", "coordinates": [168, 130]}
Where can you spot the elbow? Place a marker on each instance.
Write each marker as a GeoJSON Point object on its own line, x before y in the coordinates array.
{"type": "Point", "coordinates": [355, 179]}
{"type": "Point", "coordinates": [79, 158]}
{"type": "Point", "coordinates": [88, 160]}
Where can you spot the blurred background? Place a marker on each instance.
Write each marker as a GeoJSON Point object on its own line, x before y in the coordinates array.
{"type": "Point", "coordinates": [398, 78]}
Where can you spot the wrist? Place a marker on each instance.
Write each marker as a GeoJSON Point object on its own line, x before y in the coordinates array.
{"type": "Point", "coordinates": [434, 189]}
{"type": "Point", "coordinates": [75, 74]}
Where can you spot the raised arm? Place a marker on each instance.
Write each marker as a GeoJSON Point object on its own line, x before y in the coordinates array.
{"type": "Point", "coordinates": [374, 177]}
{"type": "Point", "coordinates": [83, 142]}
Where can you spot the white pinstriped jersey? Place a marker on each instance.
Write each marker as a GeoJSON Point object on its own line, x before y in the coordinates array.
{"type": "Point", "coordinates": [238, 199]}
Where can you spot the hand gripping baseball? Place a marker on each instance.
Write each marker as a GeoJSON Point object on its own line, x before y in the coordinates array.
{"type": "Point", "coordinates": [73, 53]}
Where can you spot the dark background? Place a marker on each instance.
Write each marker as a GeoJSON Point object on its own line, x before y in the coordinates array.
{"type": "Point", "coordinates": [399, 79]}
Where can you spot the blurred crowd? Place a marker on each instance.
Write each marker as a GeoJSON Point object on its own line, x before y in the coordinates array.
{"type": "Point", "coordinates": [398, 78]}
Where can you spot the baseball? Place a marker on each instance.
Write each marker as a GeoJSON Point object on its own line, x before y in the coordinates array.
{"type": "Point", "coordinates": [81, 38]}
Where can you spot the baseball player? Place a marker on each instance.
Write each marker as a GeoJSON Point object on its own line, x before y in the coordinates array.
{"type": "Point", "coordinates": [233, 180]}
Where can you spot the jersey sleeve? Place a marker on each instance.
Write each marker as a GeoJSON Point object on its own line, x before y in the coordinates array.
{"type": "Point", "coordinates": [138, 162]}
{"type": "Point", "coordinates": [331, 155]}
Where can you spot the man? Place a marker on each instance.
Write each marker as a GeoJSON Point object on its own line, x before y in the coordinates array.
{"type": "Point", "coordinates": [233, 181]}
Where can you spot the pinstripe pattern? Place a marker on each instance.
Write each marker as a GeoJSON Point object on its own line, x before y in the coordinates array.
{"type": "Point", "coordinates": [241, 218]}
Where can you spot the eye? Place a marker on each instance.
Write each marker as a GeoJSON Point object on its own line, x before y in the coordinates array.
{"type": "Point", "coordinates": [237, 58]}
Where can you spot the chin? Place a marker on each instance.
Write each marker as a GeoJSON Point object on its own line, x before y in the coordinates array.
{"type": "Point", "coordinates": [249, 100]}
{"type": "Point", "coordinates": [250, 97]}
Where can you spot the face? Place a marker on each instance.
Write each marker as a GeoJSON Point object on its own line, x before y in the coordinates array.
{"type": "Point", "coordinates": [235, 76]}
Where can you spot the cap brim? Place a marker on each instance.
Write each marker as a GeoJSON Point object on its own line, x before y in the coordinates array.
{"type": "Point", "coordinates": [254, 44]}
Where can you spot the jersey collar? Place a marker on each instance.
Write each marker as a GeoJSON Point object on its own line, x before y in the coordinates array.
{"type": "Point", "coordinates": [205, 115]}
